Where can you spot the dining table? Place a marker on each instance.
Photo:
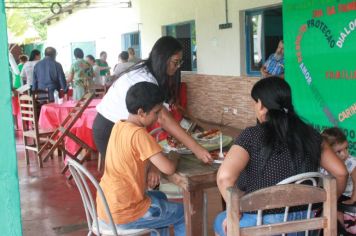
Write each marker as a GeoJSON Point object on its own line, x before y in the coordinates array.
{"type": "Point", "coordinates": [193, 177]}
{"type": "Point", "coordinates": [53, 114]}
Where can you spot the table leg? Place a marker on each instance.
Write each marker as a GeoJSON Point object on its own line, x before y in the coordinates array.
{"type": "Point", "coordinates": [193, 211]}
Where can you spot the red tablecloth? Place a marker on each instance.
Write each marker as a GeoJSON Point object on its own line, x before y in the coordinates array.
{"type": "Point", "coordinates": [53, 114]}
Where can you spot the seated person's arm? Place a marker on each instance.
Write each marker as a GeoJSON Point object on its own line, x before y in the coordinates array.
{"type": "Point", "coordinates": [153, 176]}
{"type": "Point", "coordinates": [335, 166]}
{"type": "Point", "coordinates": [115, 75]}
{"type": "Point", "coordinates": [234, 163]}
{"type": "Point", "coordinates": [166, 165]}
{"type": "Point", "coordinates": [263, 71]}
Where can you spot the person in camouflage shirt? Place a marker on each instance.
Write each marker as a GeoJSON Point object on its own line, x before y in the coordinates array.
{"type": "Point", "coordinates": [81, 75]}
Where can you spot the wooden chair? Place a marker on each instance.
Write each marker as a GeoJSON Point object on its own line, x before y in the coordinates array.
{"type": "Point", "coordinates": [56, 139]}
{"type": "Point", "coordinates": [98, 90]}
{"type": "Point", "coordinates": [83, 178]}
{"type": "Point", "coordinates": [31, 131]}
{"type": "Point", "coordinates": [41, 97]}
{"type": "Point", "coordinates": [280, 196]}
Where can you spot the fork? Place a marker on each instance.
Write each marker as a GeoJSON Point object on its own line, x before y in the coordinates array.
{"type": "Point", "coordinates": [221, 154]}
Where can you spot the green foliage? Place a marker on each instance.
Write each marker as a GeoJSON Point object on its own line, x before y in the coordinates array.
{"type": "Point", "coordinates": [16, 23]}
{"type": "Point", "coordinates": [21, 15]}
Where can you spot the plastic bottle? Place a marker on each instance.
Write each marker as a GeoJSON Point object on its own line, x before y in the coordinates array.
{"type": "Point", "coordinates": [56, 96]}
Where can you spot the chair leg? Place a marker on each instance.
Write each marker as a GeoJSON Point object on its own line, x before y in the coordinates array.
{"type": "Point", "coordinates": [39, 158]}
{"type": "Point", "coordinates": [205, 214]}
{"type": "Point", "coordinates": [100, 162]}
{"type": "Point", "coordinates": [79, 160]}
{"type": "Point", "coordinates": [26, 151]}
{"type": "Point", "coordinates": [59, 155]}
{"type": "Point", "coordinates": [15, 122]}
{"type": "Point", "coordinates": [27, 156]}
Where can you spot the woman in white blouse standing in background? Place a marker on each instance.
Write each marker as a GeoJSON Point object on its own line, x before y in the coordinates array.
{"type": "Point", "coordinates": [27, 70]}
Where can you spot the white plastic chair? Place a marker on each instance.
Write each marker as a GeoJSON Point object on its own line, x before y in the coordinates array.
{"type": "Point", "coordinates": [81, 176]}
{"type": "Point", "coordinates": [313, 177]}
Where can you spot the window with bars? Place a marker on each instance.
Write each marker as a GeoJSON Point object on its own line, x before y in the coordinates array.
{"type": "Point", "coordinates": [132, 40]}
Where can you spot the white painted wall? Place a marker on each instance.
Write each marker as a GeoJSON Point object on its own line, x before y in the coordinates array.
{"type": "Point", "coordinates": [105, 25]}
{"type": "Point", "coordinates": [220, 52]}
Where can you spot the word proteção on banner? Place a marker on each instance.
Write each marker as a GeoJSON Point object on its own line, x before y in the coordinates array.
{"type": "Point", "coordinates": [324, 29]}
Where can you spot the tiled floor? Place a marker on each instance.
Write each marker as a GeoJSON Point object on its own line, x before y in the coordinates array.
{"type": "Point", "coordinates": [51, 205]}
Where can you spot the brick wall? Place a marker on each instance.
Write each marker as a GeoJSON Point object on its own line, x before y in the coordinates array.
{"type": "Point", "coordinates": [209, 94]}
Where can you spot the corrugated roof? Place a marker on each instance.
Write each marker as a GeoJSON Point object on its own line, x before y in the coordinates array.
{"type": "Point", "coordinates": [64, 9]}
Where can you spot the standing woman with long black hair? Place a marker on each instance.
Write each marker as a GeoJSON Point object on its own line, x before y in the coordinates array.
{"type": "Point", "coordinates": [160, 68]}
{"type": "Point", "coordinates": [279, 146]}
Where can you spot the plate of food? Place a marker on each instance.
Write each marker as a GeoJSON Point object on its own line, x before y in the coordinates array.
{"type": "Point", "coordinates": [172, 144]}
{"type": "Point", "coordinates": [210, 136]}
{"type": "Point", "coordinates": [215, 156]}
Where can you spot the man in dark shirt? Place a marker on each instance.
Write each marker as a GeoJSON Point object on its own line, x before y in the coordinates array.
{"type": "Point", "coordinates": [48, 74]}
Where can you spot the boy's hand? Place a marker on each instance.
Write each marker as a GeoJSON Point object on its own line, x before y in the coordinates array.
{"type": "Point", "coordinates": [153, 177]}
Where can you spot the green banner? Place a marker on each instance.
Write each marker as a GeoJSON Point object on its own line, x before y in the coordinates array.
{"type": "Point", "coordinates": [10, 212]}
{"type": "Point", "coordinates": [320, 57]}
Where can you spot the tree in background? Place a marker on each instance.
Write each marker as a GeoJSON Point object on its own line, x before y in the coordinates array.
{"type": "Point", "coordinates": [25, 15]}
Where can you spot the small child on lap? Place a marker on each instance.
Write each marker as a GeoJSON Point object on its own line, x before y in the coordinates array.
{"type": "Point", "coordinates": [338, 142]}
{"type": "Point", "coordinates": [131, 149]}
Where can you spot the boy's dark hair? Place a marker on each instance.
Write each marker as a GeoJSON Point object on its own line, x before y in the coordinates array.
{"type": "Point", "coordinates": [333, 136]}
{"type": "Point", "coordinates": [144, 95]}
